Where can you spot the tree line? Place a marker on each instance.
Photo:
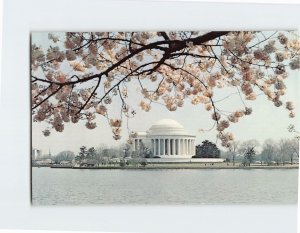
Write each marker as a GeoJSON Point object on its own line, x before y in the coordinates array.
{"type": "Point", "coordinates": [268, 153]}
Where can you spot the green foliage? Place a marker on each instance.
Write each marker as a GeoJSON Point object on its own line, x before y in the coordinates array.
{"type": "Point", "coordinates": [86, 154]}
{"type": "Point", "coordinates": [83, 152]}
{"type": "Point", "coordinates": [91, 153]}
{"type": "Point", "coordinates": [144, 163]}
{"type": "Point", "coordinates": [249, 156]}
{"type": "Point", "coordinates": [207, 150]}
{"type": "Point", "coordinates": [122, 163]}
{"type": "Point", "coordinates": [126, 151]}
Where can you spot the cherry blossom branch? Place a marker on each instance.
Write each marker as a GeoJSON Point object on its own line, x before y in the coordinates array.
{"type": "Point", "coordinates": [49, 96]}
{"type": "Point", "coordinates": [89, 98]}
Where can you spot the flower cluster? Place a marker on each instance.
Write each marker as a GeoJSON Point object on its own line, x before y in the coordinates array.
{"type": "Point", "coordinates": [226, 138]}
{"type": "Point", "coordinates": [224, 124]}
{"type": "Point", "coordinates": [101, 109]}
{"type": "Point", "coordinates": [116, 128]}
{"type": "Point", "coordinates": [145, 106]}
{"type": "Point", "coordinates": [169, 68]}
{"type": "Point", "coordinates": [77, 66]}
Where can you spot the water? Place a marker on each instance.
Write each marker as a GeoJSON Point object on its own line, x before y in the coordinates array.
{"type": "Point", "coordinates": [169, 186]}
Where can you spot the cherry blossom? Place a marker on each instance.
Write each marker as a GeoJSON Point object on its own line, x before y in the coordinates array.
{"type": "Point", "coordinates": [85, 75]}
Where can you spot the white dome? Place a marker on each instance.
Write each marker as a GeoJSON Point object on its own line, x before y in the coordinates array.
{"type": "Point", "coordinates": [166, 127]}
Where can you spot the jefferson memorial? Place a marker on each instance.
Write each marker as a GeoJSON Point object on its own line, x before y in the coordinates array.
{"type": "Point", "coordinates": [167, 139]}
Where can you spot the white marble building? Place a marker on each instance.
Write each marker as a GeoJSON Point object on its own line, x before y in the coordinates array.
{"type": "Point", "coordinates": [167, 139]}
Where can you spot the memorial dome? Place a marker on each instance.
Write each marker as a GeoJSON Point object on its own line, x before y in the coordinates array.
{"type": "Point", "coordinates": [166, 127]}
{"type": "Point", "coordinates": [166, 139]}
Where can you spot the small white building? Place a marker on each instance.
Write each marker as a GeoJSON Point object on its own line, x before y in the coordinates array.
{"type": "Point", "coordinates": [36, 154]}
{"type": "Point", "coordinates": [167, 139]}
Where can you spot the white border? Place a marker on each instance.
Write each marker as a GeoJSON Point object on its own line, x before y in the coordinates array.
{"type": "Point", "coordinates": [21, 17]}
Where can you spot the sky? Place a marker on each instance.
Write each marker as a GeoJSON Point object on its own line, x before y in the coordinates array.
{"type": "Point", "coordinates": [266, 121]}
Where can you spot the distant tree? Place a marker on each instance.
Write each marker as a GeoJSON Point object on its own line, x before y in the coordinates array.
{"type": "Point", "coordinates": [226, 155]}
{"type": "Point", "coordinates": [249, 156]}
{"type": "Point", "coordinates": [134, 154]}
{"type": "Point", "coordinates": [116, 152]}
{"type": "Point", "coordinates": [278, 158]}
{"type": "Point", "coordinates": [207, 150]}
{"type": "Point", "coordinates": [296, 140]}
{"type": "Point", "coordinates": [82, 154]}
{"type": "Point", "coordinates": [126, 150]}
{"type": "Point", "coordinates": [106, 153]}
{"type": "Point", "coordinates": [91, 153]}
{"type": "Point", "coordinates": [246, 145]}
{"type": "Point", "coordinates": [289, 149]}
{"type": "Point", "coordinates": [149, 153]}
{"type": "Point", "coordinates": [100, 158]}
{"type": "Point", "coordinates": [64, 156]}
{"type": "Point", "coordinates": [143, 150]}
{"type": "Point", "coordinates": [295, 146]}
{"type": "Point", "coordinates": [122, 163]}
{"type": "Point", "coordinates": [269, 152]}
{"type": "Point", "coordinates": [233, 148]}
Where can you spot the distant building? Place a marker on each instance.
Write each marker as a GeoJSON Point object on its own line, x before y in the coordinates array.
{"type": "Point", "coordinates": [44, 162]}
{"type": "Point", "coordinates": [64, 162]}
{"type": "Point", "coordinates": [166, 139]}
{"type": "Point", "coordinates": [36, 154]}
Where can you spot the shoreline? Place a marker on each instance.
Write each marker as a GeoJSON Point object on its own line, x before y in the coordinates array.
{"type": "Point", "coordinates": [180, 166]}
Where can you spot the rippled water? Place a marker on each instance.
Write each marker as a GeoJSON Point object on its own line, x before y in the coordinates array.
{"type": "Point", "coordinates": [178, 186]}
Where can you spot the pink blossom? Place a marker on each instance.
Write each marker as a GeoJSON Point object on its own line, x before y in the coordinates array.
{"type": "Point", "coordinates": [115, 122]}
{"type": "Point", "coordinates": [289, 105]}
{"type": "Point", "coordinates": [216, 116]}
{"type": "Point", "coordinates": [91, 125]}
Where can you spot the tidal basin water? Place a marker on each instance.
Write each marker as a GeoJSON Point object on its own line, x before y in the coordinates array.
{"type": "Point", "coordinates": [163, 186]}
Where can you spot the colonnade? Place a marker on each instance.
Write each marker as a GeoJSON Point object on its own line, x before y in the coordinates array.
{"type": "Point", "coordinates": [169, 146]}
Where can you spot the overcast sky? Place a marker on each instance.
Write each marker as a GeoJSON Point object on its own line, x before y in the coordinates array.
{"type": "Point", "coordinates": [266, 121]}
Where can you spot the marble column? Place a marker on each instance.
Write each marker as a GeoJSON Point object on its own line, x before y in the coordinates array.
{"type": "Point", "coordinates": [186, 147]}
{"type": "Point", "coordinates": [173, 147]}
{"type": "Point", "coordinates": [179, 147]}
{"type": "Point", "coordinates": [159, 147]}
{"type": "Point", "coordinates": [164, 147]}
{"type": "Point", "coordinates": [194, 152]}
{"type": "Point", "coordinates": [169, 148]}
